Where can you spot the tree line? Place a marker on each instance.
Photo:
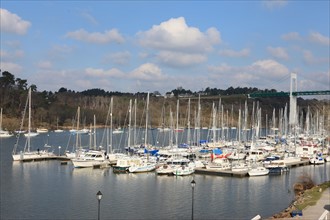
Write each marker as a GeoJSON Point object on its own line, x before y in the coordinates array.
{"type": "Point", "coordinates": [50, 109]}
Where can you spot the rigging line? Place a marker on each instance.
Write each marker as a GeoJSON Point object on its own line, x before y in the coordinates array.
{"type": "Point", "coordinates": [280, 80]}
{"type": "Point", "coordinates": [312, 79]}
{"type": "Point", "coordinates": [277, 82]}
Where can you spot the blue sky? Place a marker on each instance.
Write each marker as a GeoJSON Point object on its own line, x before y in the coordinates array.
{"type": "Point", "coordinates": [140, 46]}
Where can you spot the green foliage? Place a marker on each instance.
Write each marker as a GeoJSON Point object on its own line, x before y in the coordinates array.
{"type": "Point", "coordinates": [60, 107]}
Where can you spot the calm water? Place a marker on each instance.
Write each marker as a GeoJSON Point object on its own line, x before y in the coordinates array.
{"type": "Point", "coordinates": [49, 190]}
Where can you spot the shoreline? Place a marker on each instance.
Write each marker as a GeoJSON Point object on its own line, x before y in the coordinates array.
{"type": "Point", "coordinates": [301, 199]}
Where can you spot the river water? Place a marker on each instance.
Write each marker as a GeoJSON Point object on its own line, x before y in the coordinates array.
{"type": "Point", "coordinates": [49, 190]}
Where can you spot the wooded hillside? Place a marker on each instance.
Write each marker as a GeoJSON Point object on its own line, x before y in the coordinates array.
{"type": "Point", "coordinates": [50, 109]}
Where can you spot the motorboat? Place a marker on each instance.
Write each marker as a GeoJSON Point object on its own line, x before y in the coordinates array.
{"type": "Point", "coordinates": [91, 159]}
{"type": "Point", "coordinates": [142, 167]}
{"type": "Point", "coordinates": [316, 159]}
{"type": "Point", "coordinates": [183, 170]}
{"type": "Point", "coordinates": [258, 171]}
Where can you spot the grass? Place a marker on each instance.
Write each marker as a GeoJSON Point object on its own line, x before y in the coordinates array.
{"type": "Point", "coordinates": [311, 196]}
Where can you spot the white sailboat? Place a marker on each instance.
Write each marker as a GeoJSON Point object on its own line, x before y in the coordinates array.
{"type": "Point", "coordinates": [145, 165]}
{"type": "Point", "coordinates": [57, 130]}
{"type": "Point", "coordinates": [87, 158]}
{"type": "Point", "coordinates": [27, 154]}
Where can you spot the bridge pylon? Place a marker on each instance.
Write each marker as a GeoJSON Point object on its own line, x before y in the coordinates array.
{"type": "Point", "coordinates": [293, 100]}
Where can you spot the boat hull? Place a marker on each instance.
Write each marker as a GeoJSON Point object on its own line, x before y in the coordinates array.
{"type": "Point", "coordinates": [258, 172]}
{"type": "Point", "coordinates": [88, 163]}
{"type": "Point", "coordinates": [142, 169]}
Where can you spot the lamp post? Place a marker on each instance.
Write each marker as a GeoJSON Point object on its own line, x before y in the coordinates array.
{"type": "Point", "coordinates": [98, 197]}
{"type": "Point", "coordinates": [59, 150]}
{"type": "Point", "coordinates": [193, 184]}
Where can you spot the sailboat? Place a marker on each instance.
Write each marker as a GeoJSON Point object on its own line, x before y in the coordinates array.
{"type": "Point", "coordinates": [27, 154]}
{"type": "Point", "coordinates": [88, 158]}
{"type": "Point", "coordinates": [3, 133]}
{"type": "Point", "coordinates": [57, 129]}
{"type": "Point", "coordinates": [145, 165]}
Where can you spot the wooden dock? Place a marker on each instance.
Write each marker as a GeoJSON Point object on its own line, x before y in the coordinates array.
{"type": "Point", "coordinates": [220, 172]}
{"type": "Point", "coordinates": [297, 163]}
{"type": "Point", "coordinates": [243, 174]}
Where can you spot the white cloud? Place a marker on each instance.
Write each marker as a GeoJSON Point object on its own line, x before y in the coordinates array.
{"type": "Point", "coordinates": [12, 23]}
{"type": "Point", "coordinates": [96, 37]}
{"type": "Point", "coordinates": [11, 67]}
{"type": "Point", "coordinates": [45, 64]}
{"type": "Point", "coordinates": [5, 54]}
{"type": "Point", "coordinates": [178, 59]}
{"type": "Point", "coordinates": [291, 36]}
{"type": "Point", "coordinates": [89, 18]}
{"type": "Point", "coordinates": [60, 51]}
{"type": "Point", "coordinates": [120, 58]}
{"type": "Point", "coordinates": [311, 80]}
{"type": "Point", "coordinates": [232, 53]}
{"type": "Point", "coordinates": [148, 71]}
{"type": "Point", "coordinates": [260, 74]}
{"type": "Point", "coordinates": [309, 58]}
{"type": "Point", "coordinates": [176, 35]}
{"type": "Point", "coordinates": [268, 68]}
{"type": "Point", "coordinates": [104, 73]}
{"type": "Point", "coordinates": [278, 52]}
{"type": "Point", "coordinates": [319, 38]}
{"type": "Point", "coordinates": [274, 4]}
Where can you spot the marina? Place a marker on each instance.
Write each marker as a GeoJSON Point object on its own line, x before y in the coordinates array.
{"type": "Point", "coordinates": [232, 195]}
{"type": "Point", "coordinates": [134, 110]}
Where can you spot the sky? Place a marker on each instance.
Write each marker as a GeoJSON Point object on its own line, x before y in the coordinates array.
{"type": "Point", "coordinates": [147, 46]}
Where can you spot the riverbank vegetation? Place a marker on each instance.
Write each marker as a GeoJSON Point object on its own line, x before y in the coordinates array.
{"type": "Point", "coordinates": [306, 194]}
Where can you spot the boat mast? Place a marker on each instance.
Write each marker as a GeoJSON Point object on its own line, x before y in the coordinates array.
{"type": "Point", "coordinates": [77, 132]}
{"type": "Point", "coordinates": [1, 120]}
{"type": "Point", "coordinates": [94, 132]}
{"type": "Point", "coordinates": [146, 129]}
{"type": "Point", "coordinates": [177, 123]}
{"type": "Point", "coordinates": [111, 109]}
{"type": "Point", "coordinates": [129, 123]}
{"type": "Point", "coordinates": [134, 133]}
{"type": "Point", "coordinates": [29, 125]}
{"type": "Point", "coordinates": [188, 124]}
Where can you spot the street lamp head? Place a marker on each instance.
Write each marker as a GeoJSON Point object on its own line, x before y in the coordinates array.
{"type": "Point", "coordinates": [193, 183]}
{"type": "Point", "coordinates": [99, 195]}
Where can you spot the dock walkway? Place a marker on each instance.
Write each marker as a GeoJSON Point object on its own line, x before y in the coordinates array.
{"type": "Point", "coordinates": [319, 211]}
{"type": "Point", "coordinates": [315, 211]}
{"type": "Point", "coordinates": [243, 173]}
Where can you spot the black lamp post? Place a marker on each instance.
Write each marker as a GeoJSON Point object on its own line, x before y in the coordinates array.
{"type": "Point", "coordinates": [193, 184]}
{"type": "Point", "coordinates": [98, 197]}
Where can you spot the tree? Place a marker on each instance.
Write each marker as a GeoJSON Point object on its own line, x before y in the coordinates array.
{"type": "Point", "coordinates": [156, 93]}
{"type": "Point", "coordinates": [33, 88]}
{"type": "Point", "coordinates": [7, 80]}
{"type": "Point", "coordinates": [21, 83]}
{"type": "Point", "coordinates": [62, 89]}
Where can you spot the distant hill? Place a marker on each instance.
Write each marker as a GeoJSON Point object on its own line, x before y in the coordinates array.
{"type": "Point", "coordinates": [50, 109]}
